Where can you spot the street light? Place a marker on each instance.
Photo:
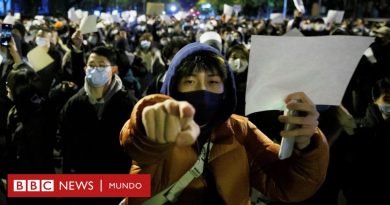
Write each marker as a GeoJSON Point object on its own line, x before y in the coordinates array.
{"type": "Point", "coordinates": [173, 8]}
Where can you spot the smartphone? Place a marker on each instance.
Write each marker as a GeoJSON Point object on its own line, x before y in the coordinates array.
{"type": "Point", "coordinates": [287, 144]}
{"type": "Point", "coordinates": [6, 34]}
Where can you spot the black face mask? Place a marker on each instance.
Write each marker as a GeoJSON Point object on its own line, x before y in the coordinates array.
{"type": "Point", "coordinates": [378, 40]}
{"type": "Point", "coordinates": [206, 104]}
{"type": "Point", "coordinates": [381, 41]}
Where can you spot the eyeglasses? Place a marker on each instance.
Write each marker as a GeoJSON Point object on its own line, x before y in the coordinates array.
{"type": "Point", "coordinates": [99, 68]}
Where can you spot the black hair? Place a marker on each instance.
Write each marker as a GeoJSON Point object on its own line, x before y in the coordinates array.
{"type": "Point", "coordinates": [146, 36]}
{"type": "Point", "coordinates": [238, 48]}
{"type": "Point", "coordinates": [230, 28]}
{"type": "Point", "coordinates": [319, 20]}
{"type": "Point", "coordinates": [106, 52]}
{"type": "Point", "coordinates": [380, 87]}
{"type": "Point", "coordinates": [172, 47]}
{"type": "Point", "coordinates": [201, 61]}
{"type": "Point", "coordinates": [20, 27]}
{"type": "Point", "coordinates": [26, 89]}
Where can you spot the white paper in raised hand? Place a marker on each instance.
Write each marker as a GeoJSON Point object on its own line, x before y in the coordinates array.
{"type": "Point", "coordinates": [88, 24]}
{"type": "Point", "coordinates": [335, 16]}
{"type": "Point", "coordinates": [9, 19]}
{"type": "Point", "coordinates": [299, 6]}
{"type": "Point", "coordinates": [319, 66]}
{"type": "Point", "coordinates": [276, 18]}
{"type": "Point", "coordinates": [228, 10]}
{"type": "Point", "coordinates": [39, 58]}
{"type": "Point", "coordinates": [72, 15]}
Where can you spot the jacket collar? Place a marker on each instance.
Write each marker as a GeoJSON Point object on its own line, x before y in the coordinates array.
{"type": "Point", "coordinates": [224, 140]}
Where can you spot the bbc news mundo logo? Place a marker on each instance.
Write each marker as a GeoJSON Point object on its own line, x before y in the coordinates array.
{"type": "Point", "coordinates": [78, 185]}
{"type": "Point", "coordinates": [33, 185]}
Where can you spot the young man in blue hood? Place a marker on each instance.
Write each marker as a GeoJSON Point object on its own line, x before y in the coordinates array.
{"type": "Point", "coordinates": [192, 118]}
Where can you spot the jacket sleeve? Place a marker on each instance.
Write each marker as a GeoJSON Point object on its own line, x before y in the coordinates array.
{"type": "Point", "coordinates": [133, 135]}
{"type": "Point", "coordinates": [290, 180]}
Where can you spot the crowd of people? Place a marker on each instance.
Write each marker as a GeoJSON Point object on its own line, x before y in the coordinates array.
{"type": "Point", "coordinates": [150, 96]}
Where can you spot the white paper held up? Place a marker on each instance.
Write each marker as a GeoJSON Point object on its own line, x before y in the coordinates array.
{"type": "Point", "coordinates": [9, 19]}
{"type": "Point", "coordinates": [228, 10]}
{"type": "Point", "coordinates": [319, 66]}
{"type": "Point", "coordinates": [39, 58]}
{"type": "Point", "coordinates": [299, 6]}
{"type": "Point", "coordinates": [88, 24]}
{"type": "Point", "coordinates": [72, 15]}
{"type": "Point", "coordinates": [154, 9]}
{"type": "Point", "coordinates": [276, 18]}
{"type": "Point", "coordinates": [334, 16]}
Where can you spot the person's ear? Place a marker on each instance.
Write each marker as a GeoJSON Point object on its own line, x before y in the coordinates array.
{"type": "Point", "coordinates": [114, 69]}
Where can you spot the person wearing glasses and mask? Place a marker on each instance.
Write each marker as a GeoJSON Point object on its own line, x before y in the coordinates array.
{"type": "Point", "coordinates": [93, 117]}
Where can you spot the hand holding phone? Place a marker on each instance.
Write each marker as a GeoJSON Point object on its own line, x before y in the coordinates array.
{"type": "Point", "coordinates": [6, 34]}
{"type": "Point", "coordinates": [304, 125]}
{"type": "Point", "coordinates": [287, 144]}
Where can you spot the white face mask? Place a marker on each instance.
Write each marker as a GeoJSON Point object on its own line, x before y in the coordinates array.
{"type": "Point", "coordinates": [92, 40]}
{"type": "Point", "coordinates": [385, 109]}
{"type": "Point", "coordinates": [238, 65]}
{"type": "Point", "coordinates": [145, 44]}
{"type": "Point", "coordinates": [319, 27]}
{"type": "Point", "coordinates": [306, 27]}
{"type": "Point", "coordinates": [42, 41]}
{"type": "Point", "coordinates": [163, 42]}
{"type": "Point", "coordinates": [229, 38]}
{"type": "Point", "coordinates": [98, 76]}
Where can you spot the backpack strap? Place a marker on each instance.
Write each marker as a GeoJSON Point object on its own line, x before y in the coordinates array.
{"type": "Point", "coordinates": [172, 193]}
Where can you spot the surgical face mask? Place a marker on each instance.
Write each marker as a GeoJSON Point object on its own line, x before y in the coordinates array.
{"type": "Point", "coordinates": [229, 38]}
{"type": "Point", "coordinates": [319, 27]}
{"type": "Point", "coordinates": [170, 30]}
{"type": "Point", "coordinates": [142, 28]}
{"type": "Point", "coordinates": [206, 104]}
{"type": "Point", "coordinates": [163, 42]}
{"type": "Point", "coordinates": [145, 44]}
{"type": "Point", "coordinates": [98, 76]}
{"type": "Point", "coordinates": [92, 40]}
{"type": "Point", "coordinates": [306, 27]}
{"type": "Point", "coordinates": [159, 32]}
{"type": "Point", "coordinates": [385, 109]}
{"type": "Point", "coordinates": [41, 41]}
{"type": "Point", "coordinates": [238, 65]}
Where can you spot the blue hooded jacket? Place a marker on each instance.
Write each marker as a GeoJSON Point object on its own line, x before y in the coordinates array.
{"type": "Point", "coordinates": [230, 100]}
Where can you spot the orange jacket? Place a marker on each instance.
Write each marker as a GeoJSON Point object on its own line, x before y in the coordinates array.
{"type": "Point", "coordinates": [242, 157]}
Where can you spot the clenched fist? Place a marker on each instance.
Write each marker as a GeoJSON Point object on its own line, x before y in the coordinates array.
{"type": "Point", "coordinates": [170, 121]}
